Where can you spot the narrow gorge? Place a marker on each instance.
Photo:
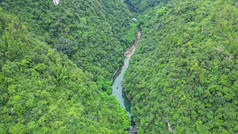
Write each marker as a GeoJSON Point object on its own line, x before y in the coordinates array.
{"type": "Point", "coordinates": [57, 58]}
{"type": "Point", "coordinates": [117, 89]}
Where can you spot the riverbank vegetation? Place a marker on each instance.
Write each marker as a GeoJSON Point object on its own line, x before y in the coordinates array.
{"type": "Point", "coordinates": [92, 33]}
{"type": "Point", "coordinates": [185, 69]}
{"type": "Point", "coordinates": [43, 91]}
{"type": "Point", "coordinates": [56, 63]}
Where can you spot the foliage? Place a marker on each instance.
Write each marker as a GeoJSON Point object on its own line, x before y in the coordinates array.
{"type": "Point", "coordinates": [55, 68]}
{"type": "Point", "coordinates": [95, 27]}
{"type": "Point", "coordinates": [185, 68]}
{"type": "Point", "coordinates": [65, 45]}
{"type": "Point", "coordinates": [139, 6]}
{"type": "Point", "coordinates": [43, 91]}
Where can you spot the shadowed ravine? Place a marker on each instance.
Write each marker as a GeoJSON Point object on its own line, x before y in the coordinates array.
{"type": "Point", "coordinates": [118, 78]}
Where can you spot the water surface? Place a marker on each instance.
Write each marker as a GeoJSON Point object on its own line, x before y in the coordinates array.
{"type": "Point", "coordinates": [117, 88]}
{"type": "Point", "coordinates": [118, 78]}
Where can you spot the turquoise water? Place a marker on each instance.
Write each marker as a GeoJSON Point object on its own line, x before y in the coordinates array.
{"type": "Point", "coordinates": [118, 78]}
{"type": "Point", "coordinates": [118, 92]}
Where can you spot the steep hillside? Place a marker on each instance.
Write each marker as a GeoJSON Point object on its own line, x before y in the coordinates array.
{"type": "Point", "coordinates": [184, 71]}
{"type": "Point", "coordinates": [139, 6]}
{"type": "Point", "coordinates": [93, 33]}
{"type": "Point", "coordinates": [42, 91]}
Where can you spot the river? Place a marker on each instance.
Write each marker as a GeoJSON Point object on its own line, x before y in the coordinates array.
{"type": "Point", "coordinates": [118, 78]}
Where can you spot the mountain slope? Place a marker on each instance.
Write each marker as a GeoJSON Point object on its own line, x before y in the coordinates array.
{"type": "Point", "coordinates": [185, 70]}
{"type": "Point", "coordinates": [42, 91]}
{"type": "Point", "coordinates": [93, 33]}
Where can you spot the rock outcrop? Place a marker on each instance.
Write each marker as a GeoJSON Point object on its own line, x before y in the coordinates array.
{"type": "Point", "coordinates": [56, 2]}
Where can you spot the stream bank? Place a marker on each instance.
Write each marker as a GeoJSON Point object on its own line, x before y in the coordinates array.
{"type": "Point", "coordinates": [117, 79]}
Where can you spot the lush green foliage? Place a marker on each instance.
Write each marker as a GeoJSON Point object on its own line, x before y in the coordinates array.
{"type": "Point", "coordinates": [43, 91]}
{"type": "Point", "coordinates": [185, 68]}
{"type": "Point", "coordinates": [55, 68]}
{"type": "Point", "coordinates": [96, 30]}
{"type": "Point", "coordinates": [140, 6]}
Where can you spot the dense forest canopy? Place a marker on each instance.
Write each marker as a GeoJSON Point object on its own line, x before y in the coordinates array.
{"type": "Point", "coordinates": [56, 63]}
{"type": "Point", "coordinates": [139, 6]}
{"type": "Point", "coordinates": [185, 68]}
{"type": "Point", "coordinates": [43, 91]}
{"type": "Point", "coordinates": [93, 33]}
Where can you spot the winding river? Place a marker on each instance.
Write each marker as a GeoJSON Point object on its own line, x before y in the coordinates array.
{"type": "Point", "coordinates": [118, 78]}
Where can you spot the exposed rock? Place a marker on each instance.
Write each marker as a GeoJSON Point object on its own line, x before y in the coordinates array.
{"type": "Point", "coordinates": [236, 4]}
{"type": "Point", "coordinates": [56, 2]}
{"type": "Point", "coordinates": [169, 127]}
{"type": "Point", "coordinates": [132, 49]}
{"type": "Point", "coordinates": [134, 20]}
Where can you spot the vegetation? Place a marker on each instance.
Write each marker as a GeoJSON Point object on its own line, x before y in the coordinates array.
{"type": "Point", "coordinates": [42, 91]}
{"type": "Point", "coordinates": [140, 6]}
{"type": "Point", "coordinates": [56, 62]}
{"type": "Point", "coordinates": [97, 31]}
{"type": "Point", "coordinates": [185, 68]}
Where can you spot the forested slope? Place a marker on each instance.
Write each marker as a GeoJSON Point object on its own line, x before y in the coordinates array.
{"type": "Point", "coordinates": [93, 33]}
{"type": "Point", "coordinates": [42, 91]}
{"type": "Point", "coordinates": [185, 69]}
{"type": "Point", "coordinates": [140, 6]}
